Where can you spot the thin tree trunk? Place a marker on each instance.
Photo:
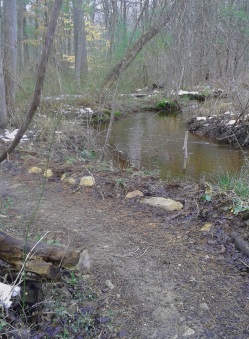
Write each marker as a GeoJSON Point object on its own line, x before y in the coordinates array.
{"type": "Point", "coordinates": [25, 36]}
{"type": "Point", "coordinates": [113, 26]}
{"type": "Point", "coordinates": [10, 52]}
{"type": "Point", "coordinates": [20, 21]}
{"type": "Point", "coordinates": [77, 24]}
{"type": "Point", "coordinates": [84, 62]}
{"type": "Point", "coordinates": [80, 50]}
{"type": "Point", "coordinates": [39, 81]}
{"type": "Point", "coordinates": [3, 108]}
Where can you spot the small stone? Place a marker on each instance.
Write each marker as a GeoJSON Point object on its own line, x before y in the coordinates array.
{"type": "Point", "coordinates": [87, 181]}
{"type": "Point", "coordinates": [71, 181]}
{"type": "Point", "coordinates": [188, 332]}
{"type": "Point", "coordinates": [48, 173]}
{"type": "Point", "coordinates": [206, 227]}
{"type": "Point", "coordinates": [204, 306]}
{"type": "Point", "coordinates": [63, 177]}
{"type": "Point", "coordinates": [109, 284]}
{"type": "Point", "coordinates": [134, 194]}
{"type": "Point", "coordinates": [84, 261]}
{"type": "Point", "coordinates": [34, 170]}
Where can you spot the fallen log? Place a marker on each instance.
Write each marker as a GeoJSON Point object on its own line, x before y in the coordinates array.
{"type": "Point", "coordinates": [240, 243]}
{"type": "Point", "coordinates": [41, 258]}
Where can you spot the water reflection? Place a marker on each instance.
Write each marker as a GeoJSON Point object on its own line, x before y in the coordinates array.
{"type": "Point", "coordinates": [155, 142]}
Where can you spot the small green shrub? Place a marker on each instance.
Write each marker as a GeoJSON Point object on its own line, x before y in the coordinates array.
{"type": "Point", "coordinates": [236, 187]}
{"type": "Point", "coordinates": [168, 105]}
{"type": "Point", "coordinates": [117, 114]}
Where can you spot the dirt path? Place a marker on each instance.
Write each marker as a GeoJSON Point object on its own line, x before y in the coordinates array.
{"type": "Point", "coordinates": [170, 281]}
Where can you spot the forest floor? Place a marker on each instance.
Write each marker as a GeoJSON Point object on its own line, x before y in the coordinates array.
{"type": "Point", "coordinates": [154, 274]}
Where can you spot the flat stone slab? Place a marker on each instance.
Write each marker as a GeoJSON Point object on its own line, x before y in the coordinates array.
{"type": "Point", "coordinates": [167, 204]}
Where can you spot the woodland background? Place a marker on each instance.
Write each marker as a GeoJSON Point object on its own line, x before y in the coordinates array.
{"type": "Point", "coordinates": [175, 44]}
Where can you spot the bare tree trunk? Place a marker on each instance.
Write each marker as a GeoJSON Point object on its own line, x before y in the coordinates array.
{"type": "Point", "coordinates": [80, 51]}
{"type": "Point", "coordinates": [20, 21]}
{"type": "Point", "coordinates": [113, 26]}
{"type": "Point", "coordinates": [84, 62]}
{"type": "Point", "coordinates": [3, 108]}
{"type": "Point", "coordinates": [25, 36]}
{"type": "Point", "coordinates": [39, 81]}
{"type": "Point", "coordinates": [10, 52]}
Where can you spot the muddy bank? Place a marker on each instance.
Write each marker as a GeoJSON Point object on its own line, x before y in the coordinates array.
{"type": "Point", "coordinates": [226, 128]}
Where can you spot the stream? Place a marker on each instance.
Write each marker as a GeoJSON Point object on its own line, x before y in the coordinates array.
{"type": "Point", "coordinates": [154, 142]}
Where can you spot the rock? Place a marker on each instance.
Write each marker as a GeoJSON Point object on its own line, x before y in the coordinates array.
{"type": "Point", "coordinates": [109, 284]}
{"type": "Point", "coordinates": [48, 173]}
{"type": "Point", "coordinates": [84, 261]}
{"type": "Point", "coordinates": [34, 170]}
{"type": "Point", "coordinates": [167, 204]}
{"type": "Point", "coordinates": [71, 181]}
{"type": "Point", "coordinates": [87, 181]}
{"type": "Point", "coordinates": [63, 177]}
{"type": "Point", "coordinates": [188, 332]}
{"type": "Point", "coordinates": [134, 194]}
{"type": "Point", "coordinates": [206, 227]}
{"type": "Point", "coordinates": [204, 306]}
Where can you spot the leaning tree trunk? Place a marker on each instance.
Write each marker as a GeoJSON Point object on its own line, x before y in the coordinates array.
{"type": "Point", "coordinates": [39, 81]}
{"type": "Point", "coordinates": [132, 52]}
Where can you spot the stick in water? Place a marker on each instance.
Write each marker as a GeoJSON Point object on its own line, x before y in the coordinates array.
{"type": "Point", "coordinates": [185, 148]}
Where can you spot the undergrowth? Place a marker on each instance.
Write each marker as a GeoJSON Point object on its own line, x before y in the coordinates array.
{"type": "Point", "coordinates": [235, 187]}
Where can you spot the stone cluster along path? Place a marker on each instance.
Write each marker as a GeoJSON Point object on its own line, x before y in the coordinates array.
{"type": "Point", "coordinates": [167, 278]}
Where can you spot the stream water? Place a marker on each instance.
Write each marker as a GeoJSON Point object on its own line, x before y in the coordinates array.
{"type": "Point", "coordinates": [155, 142]}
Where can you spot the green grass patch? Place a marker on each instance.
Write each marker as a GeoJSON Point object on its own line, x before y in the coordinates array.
{"type": "Point", "coordinates": [236, 187]}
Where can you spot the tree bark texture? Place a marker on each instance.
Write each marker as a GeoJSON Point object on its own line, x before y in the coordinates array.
{"type": "Point", "coordinates": [80, 51]}
{"type": "Point", "coordinates": [39, 81]}
{"type": "Point", "coordinates": [3, 108]}
{"type": "Point", "coordinates": [43, 259]}
{"type": "Point", "coordinates": [10, 52]}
